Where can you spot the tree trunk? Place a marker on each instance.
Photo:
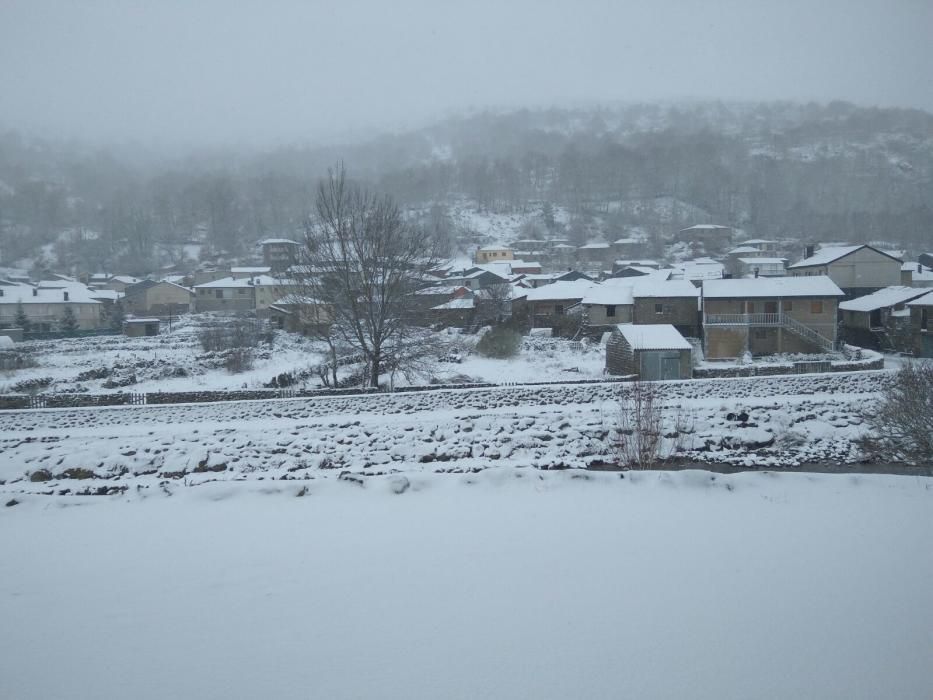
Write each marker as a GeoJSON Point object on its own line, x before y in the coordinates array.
{"type": "Point", "coordinates": [375, 360]}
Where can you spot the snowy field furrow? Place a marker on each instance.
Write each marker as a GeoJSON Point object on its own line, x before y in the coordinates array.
{"type": "Point", "coordinates": [768, 422]}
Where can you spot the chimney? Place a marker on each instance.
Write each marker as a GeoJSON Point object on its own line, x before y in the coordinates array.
{"type": "Point", "coordinates": [35, 292]}
{"type": "Point", "coordinates": [809, 251]}
{"type": "Point", "coordinates": [919, 268]}
{"type": "Point", "coordinates": [756, 273]}
{"type": "Point", "coordinates": [66, 296]}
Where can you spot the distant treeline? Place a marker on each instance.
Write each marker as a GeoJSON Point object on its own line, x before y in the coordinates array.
{"type": "Point", "coordinates": [817, 172]}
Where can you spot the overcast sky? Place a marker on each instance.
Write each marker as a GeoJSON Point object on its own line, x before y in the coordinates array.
{"type": "Point", "coordinates": [220, 72]}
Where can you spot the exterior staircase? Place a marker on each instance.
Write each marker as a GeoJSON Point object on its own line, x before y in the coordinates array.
{"type": "Point", "coordinates": [772, 321]}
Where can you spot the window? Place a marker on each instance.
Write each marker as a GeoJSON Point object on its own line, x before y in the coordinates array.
{"type": "Point", "coordinates": [770, 307]}
{"type": "Point", "coordinates": [749, 307]}
{"type": "Point", "coordinates": [219, 293]}
{"type": "Point", "coordinates": [816, 307]}
{"type": "Point", "coordinates": [659, 308]}
{"type": "Point", "coordinates": [558, 309]}
{"type": "Point", "coordinates": [788, 306]}
{"type": "Point", "coordinates": [924, 320]}
{"type": "Point", "coordinates": [241, 292]}
{"type": "Point", "coordinates": [610, 310]}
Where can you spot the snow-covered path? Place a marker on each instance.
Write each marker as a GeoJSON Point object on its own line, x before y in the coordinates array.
{"type": "Point", "coordinates": [510, 583]}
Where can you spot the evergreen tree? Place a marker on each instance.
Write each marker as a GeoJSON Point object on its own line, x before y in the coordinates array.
{"type": "Point", "coordinates": [69, 322]}
{"type": "Point", "coordinates": [116, 316]}
{"type": "Point", "coordinates": [22, 320]}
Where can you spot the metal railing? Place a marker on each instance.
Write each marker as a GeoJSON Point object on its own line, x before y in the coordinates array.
{"type": "Point", "coordinates": [777, 320]}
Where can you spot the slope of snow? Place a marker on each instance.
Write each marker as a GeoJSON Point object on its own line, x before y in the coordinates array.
{"type": "Point", "coordinates": [510, 583]}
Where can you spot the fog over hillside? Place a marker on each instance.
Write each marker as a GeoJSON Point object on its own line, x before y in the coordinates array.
{"type": "Point", "coordinates": [779, 169]}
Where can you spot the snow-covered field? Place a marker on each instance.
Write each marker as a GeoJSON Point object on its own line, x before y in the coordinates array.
{"type": "Point", "coordinates": [758, 422]}
{"type": "Point", "coordinates": [508, 583]}
{"type": "Point", "coordinates": [175, 361]}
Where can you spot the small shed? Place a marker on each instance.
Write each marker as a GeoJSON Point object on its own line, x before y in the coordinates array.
{"type": "Point", "coordinates": [138, 327]}
{"type": "Point", "coordinates": [654, 351]}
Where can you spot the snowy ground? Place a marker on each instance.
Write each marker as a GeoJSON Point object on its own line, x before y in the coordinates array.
{"type": "Point", "coordinates": [755, 422]}
{"type": "Point", "coordinates": [509, 583]}
{"type": "Point", "coordinates": [175, 361]}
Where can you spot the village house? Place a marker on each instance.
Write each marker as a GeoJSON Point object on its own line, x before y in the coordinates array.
{"type": "Point", "coordinates": [140, 327]}
{"type": "Point", "coordinates": [249, 271]}
{"type": "Point", "coordinates": [45, 308]}
{"type": "Point", "coordinates": [608, 305]}
{"type": "Point", "coordinates": [674, 302]}
{"type": "Point", "coordinates": [279, 254]}
{"type": "Point", "coordinates": [119, 283]}
{"type": "Point", "coordinates": [595, 256]}
{"type": "Point", "coordinates": [476, 278]}
{"type": "Point", "coordinates": [241, 295]}
{"type": "Point", "coordinates": [653, 352]}
{"type": "Point", "coordinates": [305, 317]}
{"type": "Point", "coordinates": [765, 316]}
{"type": "Point", "coordinates": [921, 325]}
{"type": "Point", "coordinates": [157, 298]}
{"type": "Point", "coordinates": [548, 303]}
{"type": "Point", "coordinates": [760, 267]}
{"type": "Point", "coordinates": [456, 313]}
{"type": "Point", "coordinates": [698, 270]}
{"type": "Point", "coordinates": [915, 274]}
{"type": "Point", "coordinates": [762, 245]}
{"type": "Point", "coordinates": [875, 320]}
{"type": "Point", "coordinates": [856, 269]}
{"type": "Point", "coordinates": [493, 254]}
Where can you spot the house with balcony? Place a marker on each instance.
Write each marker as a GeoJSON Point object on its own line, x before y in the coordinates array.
{"type": "Point", "coordinates": [765, 316]}
{"type": "Point", "coordinates": [856, 269]}
{"type": "Point", "coordinates": [279, 254]}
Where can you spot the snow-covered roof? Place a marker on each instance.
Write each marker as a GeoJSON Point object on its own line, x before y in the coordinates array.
{"type": "Point", "coordinates": [140, 320]}
{"type": "Point", "coordinates": [433, 291]}
{"type": "Point", "coordinates": [109, 294]}
{"type": "Point", "coordinates": [611, 295]}
{"type": "Point", "coordinates": [23, 293]}
{"type": "Point", "coordinates": [461, 303]}
{"type": "Point", "coordinates": [268, 241]}
{"type": "Point", "coordinates": [829, 254]}
{"type": "Point", "coordinates": [657, 336]}
{"type": "Point", "coordinates": [258, 270]}
{"type": "Point", "coordinates": [125, 279]}
{"type": "Point", "coordinates": [704, 227]}
{"type": "Point", "coordinates": [762, 261]}
{"type": "Point", "coordinates": [257, 281]}
{"type": "Point", "coordinates": [742, 249]}
{"type": "Point", "coordinates": [594, 246]}
{"type": "Point", "coordinates": [925, 300]}
{"type": "Point", "coordinates": [577, 289]}
{"type": "Point", "coordinates": [655, 287]}
{"type": "Point", "coordinates": [758, 241]}
{"type": "Point", "coordinates": [817, 286]}
{"type": "Point", "coordinates": [882, 299]}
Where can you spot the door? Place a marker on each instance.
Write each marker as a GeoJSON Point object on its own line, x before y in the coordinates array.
{"type": "Point", "coordinates": [670, 366]}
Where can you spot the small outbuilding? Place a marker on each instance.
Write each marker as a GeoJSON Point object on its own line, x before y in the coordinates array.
{"type": "Point", "coordinates": [656, 351]}
{"type": "Point", "coordinates": [138, 327]}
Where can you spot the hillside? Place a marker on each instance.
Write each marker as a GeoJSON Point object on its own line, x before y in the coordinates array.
{"type": "Point", "coordinates": [805, 171]}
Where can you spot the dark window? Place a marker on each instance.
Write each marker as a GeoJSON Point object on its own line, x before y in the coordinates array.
{"type": "Point", "coordinates": [610, 310]}
{"type": "Point", "coordinates": [788, 306]}
{"type": "Point", "coordinates": [816, 307]}
{"type": "Point", "coordinates": [749, 307]}
{"type": "Point", "coordinates": [659, 308]}
{"type": "Point", "coordinates": [770, 307]}
{"type": "Point", "coordinates": [219, 293]}
{"type": "Point", "coordinates": [241, 291]}
{"type": "Point", "coordinates": [558, 309]}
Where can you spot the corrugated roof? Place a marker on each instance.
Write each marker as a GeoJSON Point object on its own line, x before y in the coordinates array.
{"type": "Point", "coordinates": [658, 336]}
{"type": "Point", "coordinates": [883, 298]}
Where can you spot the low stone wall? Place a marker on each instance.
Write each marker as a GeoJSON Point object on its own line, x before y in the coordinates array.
{"type": "Point", "coordinates": [874, 362]}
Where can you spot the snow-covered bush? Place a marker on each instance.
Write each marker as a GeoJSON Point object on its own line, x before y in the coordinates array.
{"type": "Point", "coordinates": [903, 422]}
{"type": "Point", "coordinates": [499, 342]}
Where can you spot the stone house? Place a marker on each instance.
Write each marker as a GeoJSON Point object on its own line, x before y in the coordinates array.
{"type": "Point", "coordinates": [241, 295]}
{"type": "Point", "coordinates": [157, 298]}
{"type": "Point", "coordinates": [869, 321]}
{"type": "Point", "coordinates": [653, 352]}
{"type": "Point", "coordinates": [493, 254]}
{"type": "Point", "coordinates": [674, 302]}
{"type": "Point", "coordinates": [45, 308]}
{"type": "Point", "coordinates": [857, 270]}
{"type": "Point", "coordinates": [765, 316]}
{"type": "Point", "coordinates": [546, 304]}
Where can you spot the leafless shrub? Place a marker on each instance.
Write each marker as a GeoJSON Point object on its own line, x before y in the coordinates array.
{"type": "Point", "coordinates": [639, 426]}
{"type": "Point", "coordinates": [903, 422]}
{"type": "Point", "coordinates": [239, 360]}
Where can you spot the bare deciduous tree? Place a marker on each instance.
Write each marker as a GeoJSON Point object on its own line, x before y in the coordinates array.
{"type": "Point", "coordinates": [903, 422]}
{"type": "Point", "coordinates": [362, 261]}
